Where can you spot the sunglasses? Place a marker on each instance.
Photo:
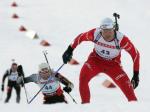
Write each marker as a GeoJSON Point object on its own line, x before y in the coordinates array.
{"type": "Point", "coordinates": [44, 71]}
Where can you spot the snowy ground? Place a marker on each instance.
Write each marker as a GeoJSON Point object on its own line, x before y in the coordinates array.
{"type": "Point", "coordinates": [59, 22]}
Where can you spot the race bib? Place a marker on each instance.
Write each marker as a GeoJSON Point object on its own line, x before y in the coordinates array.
{"type": "Point", "coordinates": [50, 87]}
{"type": "Point", "coordinates": [13, 76]}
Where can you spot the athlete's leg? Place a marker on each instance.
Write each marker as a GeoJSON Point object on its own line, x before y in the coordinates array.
{"type": "Point", "coordinates": [9, 91]}
{"type": "Point", "coordinates": [122, 80]}
{"type": "Point", "coordinates": [18, 90]}
{"type": "Point", "coordinates": [90, 69]}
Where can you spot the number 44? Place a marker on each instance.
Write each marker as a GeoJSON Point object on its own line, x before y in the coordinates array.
{"type": "Point", "coordinates": [48, 87]}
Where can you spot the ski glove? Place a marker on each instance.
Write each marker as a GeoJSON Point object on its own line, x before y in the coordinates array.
{"type": "Point", "coordinates": [2, 88]}
{"type": "Point", "coordinates": [19, 81]}
{"type": "Point", "coordinates": [67, 56]}
{"type": "Point", "coordinates": [68, 88]}
{"type": "Point", "coordinates": [135, 79]}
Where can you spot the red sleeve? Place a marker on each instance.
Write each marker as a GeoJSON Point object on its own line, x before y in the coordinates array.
{"type": "Point", "coordinates": [87, 36]}
{"type": "Point", "coordinates": [129, 47]}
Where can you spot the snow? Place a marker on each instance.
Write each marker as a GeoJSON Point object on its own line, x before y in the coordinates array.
{"type": "Point", "coordinates": [59, 21]}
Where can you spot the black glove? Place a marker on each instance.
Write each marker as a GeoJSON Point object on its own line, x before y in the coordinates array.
{"type": "Point", "coordinates": [2, 88]}
{"type": "Point", "coordinates": [20, 81]}
{"type": "Point", "coordinates": [67, 55]}
{"type": "Point", "coordinates": [67, 89]}
{"type": "Point", "coordinates": [22, 84]}
{"type": "Point", "coordinates": [135, 79]}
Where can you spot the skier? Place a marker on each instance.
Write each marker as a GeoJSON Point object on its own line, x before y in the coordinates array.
{"type": "Point", "coordinates": [13, 73]}
{"type": "Point", "coordinates": [105, 58]}
{"type": "Point", "coordinates": [52, 91]}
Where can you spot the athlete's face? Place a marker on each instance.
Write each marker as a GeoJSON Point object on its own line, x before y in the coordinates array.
{"type": "Point", "coordinates": [14, 68]}
{"type": "Point", "coordinates": [108, 34]}
{"type": "Point", "coordinates": [44, 73]}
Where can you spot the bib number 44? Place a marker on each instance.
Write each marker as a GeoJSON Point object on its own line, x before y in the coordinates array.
{"type": "Point", "coordinates": [48, 87]}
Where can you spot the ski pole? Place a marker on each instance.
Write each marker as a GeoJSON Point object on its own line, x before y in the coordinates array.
{"type": "Point", "coordinates": [25, 89]}
{"type": "Point", "coordinates": [45, 84]}
{"type": "Point", "coordinates": [72, 98]}
{"type": "Point", "coordinates": [45, 53]}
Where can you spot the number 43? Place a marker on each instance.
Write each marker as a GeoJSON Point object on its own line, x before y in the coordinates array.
{"type": "Point", "coordinates": [105, 52]}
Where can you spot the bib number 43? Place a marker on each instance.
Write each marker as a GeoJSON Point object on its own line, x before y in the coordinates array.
{"type": "Point", "coordinates": [105, 52]}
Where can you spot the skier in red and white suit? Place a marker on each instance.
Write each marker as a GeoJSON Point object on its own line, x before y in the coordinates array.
{"type": "Point", "coordinates": [105, 58]}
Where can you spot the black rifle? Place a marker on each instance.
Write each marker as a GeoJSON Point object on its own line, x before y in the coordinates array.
{"type": "Point", "coordinates": [117, 16]}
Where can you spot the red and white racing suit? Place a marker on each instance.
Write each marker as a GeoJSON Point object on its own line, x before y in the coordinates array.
{"type": "Point", "coordinates": [106, 58]}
